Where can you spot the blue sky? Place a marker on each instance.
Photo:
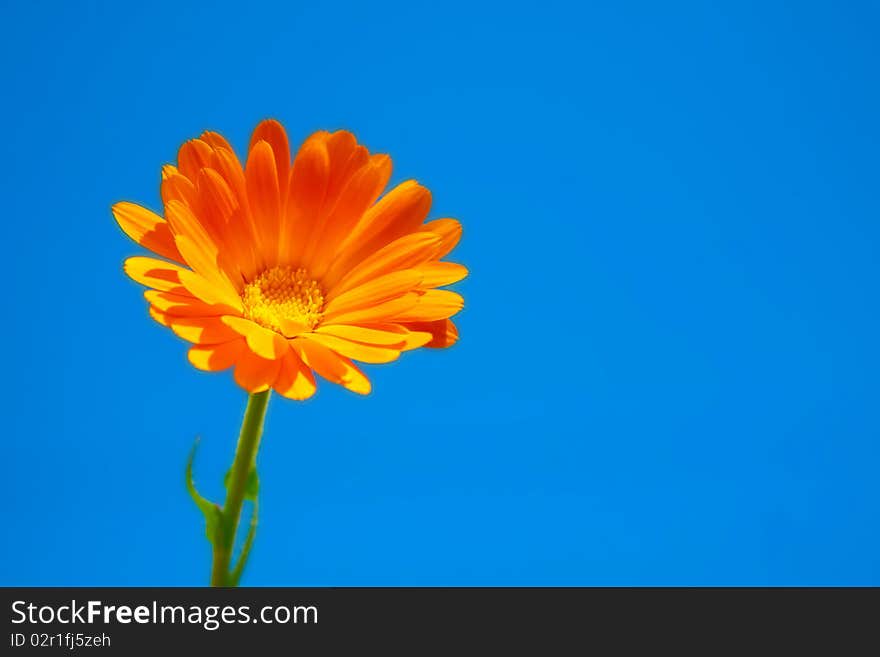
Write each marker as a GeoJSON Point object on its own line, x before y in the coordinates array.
{"type": "Point", "coordinates": [668, 364]}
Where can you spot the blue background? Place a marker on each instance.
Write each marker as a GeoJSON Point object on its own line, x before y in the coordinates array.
{"type": "Point", "coordinates": [668, 371]}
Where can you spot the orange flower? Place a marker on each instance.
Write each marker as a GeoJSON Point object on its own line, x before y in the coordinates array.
{"type": "Point", "coordinates": [281, 268]}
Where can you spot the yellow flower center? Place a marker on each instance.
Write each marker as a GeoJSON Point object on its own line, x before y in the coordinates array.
{"type": "Point", "coordinates": [281, 297]}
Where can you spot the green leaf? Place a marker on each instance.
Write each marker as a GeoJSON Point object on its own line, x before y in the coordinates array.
{"type": "Point", "coordinates": [235, 575]}
{"type": "Point", "coordinates": [251, 493]}
{"type": "Point", "coordinates": [210, 510]}
{"type": "Point", "coordinates": [251, 486]}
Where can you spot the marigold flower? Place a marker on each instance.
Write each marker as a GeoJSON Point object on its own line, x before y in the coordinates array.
{"type": "Point", "coordinates": [281, 268]}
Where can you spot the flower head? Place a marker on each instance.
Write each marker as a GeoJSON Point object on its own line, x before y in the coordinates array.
{"type": "Point", "coordinates": [282, 268]}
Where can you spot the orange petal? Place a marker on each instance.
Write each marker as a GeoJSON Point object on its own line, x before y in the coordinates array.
{"type": "Point", "coordinates": [192, 156]}
{"type": "Point", "coordinates": [147, 229]}
{"type": "Point", "coordinates": [202, 261]}
{"type": "Point", "coordinates": [216, 197]}
{"type": "Point", "coordinates": [386, 335]}
{"type": "Point", "coordinates": [184, 223]}
{"type": "Point", "coordinates": [295, 380]}
{"type": "Point", "coordinates": [218, 201]}
{"type": "Point", "coordinates": [399, 212]}
{"type": "Point", "coordinates": [255, 374]}
{"type": "Point", "coordinates": [215, 140]}
{"type": "Point", "coordinates": [359, 193]}
{"type": "Point", "coordinates": [365, 353]}
{"type": "Point", "coordinates": [216, 357]}
{"type": "Point", "coordinates": [154, 273]}
{"type": "Point", "coordinates": [241, 228]}
{"type": "Point", "coordinates": [346, 157]}
{"type": "Point", "coordinates": [184, 305]}
{"type": "Point", "coordinates": [262, 341]}
{"type": "Point", "coordinates": [261, 176]}
{"type": "Point", "coordinates": [449, 231]}
{"type": "Point", "coordinates": [218, 288]}
{"type": "Point", "coordinates": [443, 332]}
{"type": "Point", "coordinates": [309, 177]}
{"type": "Point", "coordinates": [159, 316]}
{"type": "Point", "coordinates": [412, 339]}
{"type": "Point", "coordinates": [403, 253]}
{"type": "Point", "coordinates": [274, 134]}
{"type": "Point", "coordinates": [201, 253]}
{"type": "Point", "coordinates": [226, 163]}
{"type": "Point", "coordinates": [437, 274]}
{"type": "Point", "coordinates": [381, 312]}
{"type": "Point", "coordinates": [373, 292]}
{"type": "Point", "coordinates": [331, 365]}
{"type": "Point", "coordinates": [202, 330]}
{"type": "Point", "coordinates": [210, 292]}
{"type": "Point", "coordinates": [177, 187]}
{"type": "Point", "coordinates": [291, 328]}
{"type": "Point", "coordinates": [432, 305]}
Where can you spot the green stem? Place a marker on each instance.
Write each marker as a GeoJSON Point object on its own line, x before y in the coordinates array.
{"type": "Point", "coordinates": [245, 461]}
